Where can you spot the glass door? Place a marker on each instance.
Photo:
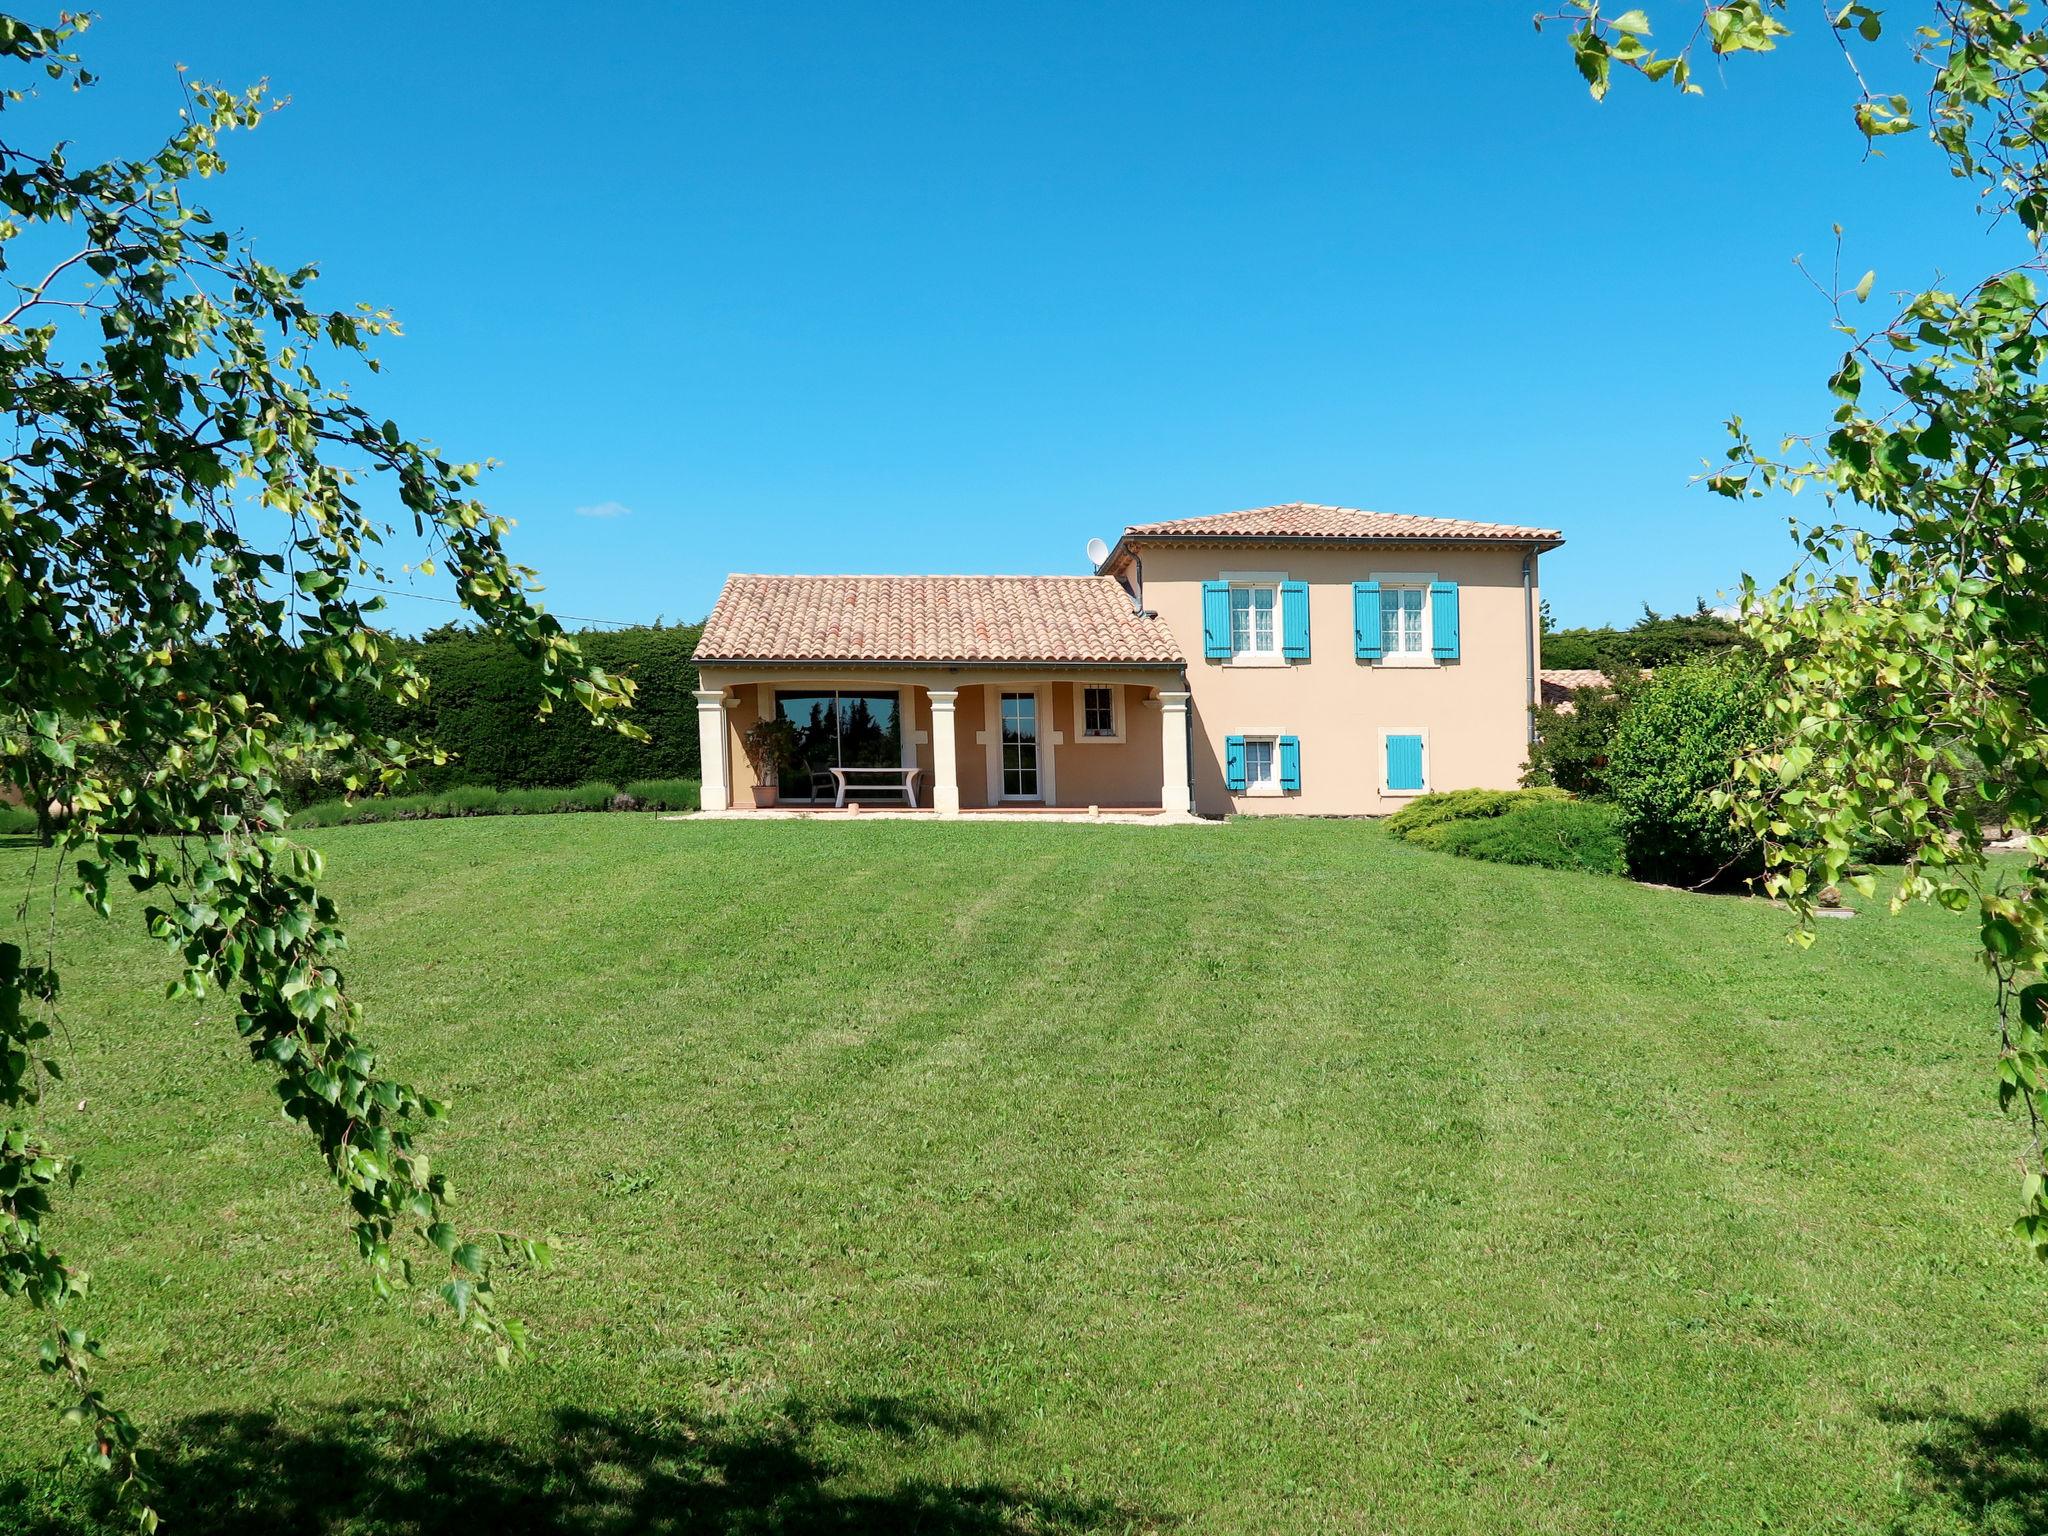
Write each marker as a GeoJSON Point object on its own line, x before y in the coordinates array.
{"type": "Point", "coordinates": [837, 730]}
{"type": "Point", "coordinates": [816, 718]}
{"type": "Point", "coordinates": [1020, 746]}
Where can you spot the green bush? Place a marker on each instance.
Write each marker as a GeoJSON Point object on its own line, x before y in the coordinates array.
{"type": "Point", "coordinates": [1420, 820]}
{"type": "Point", "coordinates": [477, 800]}
{"type": "Point", "coordinates": [1552, 834]}
{"type": "Point", "coordinates": [483, 695]}
{"type": "Point", "coordinates": [1676, 744]}
{"type": "Point", "coordinates": [1573, 746]}
{"type": "Point", "coordinates": [17, 820]}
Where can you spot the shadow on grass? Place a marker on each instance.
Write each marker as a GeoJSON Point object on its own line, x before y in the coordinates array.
{"type": "Point", "coordinates": [370, 1470]}
{"type": "Point", "coordinates": [1986, 1474]}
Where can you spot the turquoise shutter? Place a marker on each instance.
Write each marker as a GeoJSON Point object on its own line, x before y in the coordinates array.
{"type": "Point", "coordinates": [1294, 620]}
{"type": "Point", "coordinates": [1365, 619]}
{"type": "Point", "coordinates": [1216, 620]}
{"type": "Point", "coordinates": [1404, 762]}
{"type": "Point", "coordinates": [1290, 762]}
{"type": "Point", "coordinates": [1233, 762]}
{"type": "Point", "coordinates": [1443, 620]}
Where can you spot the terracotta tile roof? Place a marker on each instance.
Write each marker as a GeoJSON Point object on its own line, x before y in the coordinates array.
{"type": "Point", "coordinates": [931, 618]}
{"type": "Point", "coordinates": [1304, 520]}
{"type": "Point", "coordinates": [1560, 683]}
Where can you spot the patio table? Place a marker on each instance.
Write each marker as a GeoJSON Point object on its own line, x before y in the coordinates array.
{"type": "Point", "coordinates": [904, 779]}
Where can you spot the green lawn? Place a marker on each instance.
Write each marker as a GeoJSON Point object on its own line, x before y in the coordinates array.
{"type": "Point", "coordinates": [965, 1179]}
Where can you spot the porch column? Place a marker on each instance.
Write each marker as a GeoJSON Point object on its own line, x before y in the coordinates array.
{"type": "Point", "coordinates": [713, 793]}
{"type": "Point", "coordinates": [1173, 752]}
{"type": "Point", "coordinates": [945, 760]}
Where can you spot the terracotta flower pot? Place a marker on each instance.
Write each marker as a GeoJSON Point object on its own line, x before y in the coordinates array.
{"type": "Point", "coordinates": [765, 796]}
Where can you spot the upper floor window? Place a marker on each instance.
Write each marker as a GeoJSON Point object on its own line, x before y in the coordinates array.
{"type": "Point", "coordinates": [1402, 631]}
{"type": "Point", "coordinates": [1255, 619]}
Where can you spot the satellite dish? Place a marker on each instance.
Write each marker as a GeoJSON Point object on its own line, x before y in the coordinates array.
{"type": "Point", "coordinates": [1097, 553]}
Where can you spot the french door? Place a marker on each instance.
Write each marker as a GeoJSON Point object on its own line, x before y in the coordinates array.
{"type": "Point", "coordinates": [1020, 746]}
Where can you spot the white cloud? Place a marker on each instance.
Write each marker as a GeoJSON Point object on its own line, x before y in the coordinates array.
{"type": "Point", "coordinates": [605, 509]}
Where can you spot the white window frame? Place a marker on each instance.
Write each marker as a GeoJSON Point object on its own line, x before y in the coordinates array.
{"type": "Point", "coordinates": [1247, 580]}
{"type": "Point", "coordinates": [1116, 714]}
{"type": "Point", "coordinates": [1404, 730]}
{"type": "Point", "coordinates": [1040, 729]}
{"type": "Point", "coordinates": [1271, 789]}
{"type": "Point", "coordinates": [1426, 657]}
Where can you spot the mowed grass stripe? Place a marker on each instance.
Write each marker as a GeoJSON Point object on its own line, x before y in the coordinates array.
{"type": "Point", "coordinates": [1271, 1176]}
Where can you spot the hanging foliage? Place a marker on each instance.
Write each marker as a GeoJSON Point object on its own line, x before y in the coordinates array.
{"type": "Point", "coordinates": [186, 512]}
{"type": "Point", "coordinates": [1909, 646]}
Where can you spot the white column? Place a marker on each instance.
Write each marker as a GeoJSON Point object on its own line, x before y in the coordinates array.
{"type": "Point", "coordinates": [1173, 752]}
{"type": "Point", "coordinates": [714, 793]}
{"type": "Point", "coordinates": [945, 757]}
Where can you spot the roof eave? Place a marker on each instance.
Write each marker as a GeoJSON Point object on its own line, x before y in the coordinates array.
{"type": "Point", "coordinates": [1541, 540]}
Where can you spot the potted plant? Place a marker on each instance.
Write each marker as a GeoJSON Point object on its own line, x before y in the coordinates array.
{"type": "Point", "coordinates": [770, 746]}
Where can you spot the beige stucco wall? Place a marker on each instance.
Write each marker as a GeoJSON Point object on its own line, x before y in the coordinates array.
{"type": "Point", "coordinates": [1473, 712]}
{"type": "Point", "coordinates": [1126, 773]}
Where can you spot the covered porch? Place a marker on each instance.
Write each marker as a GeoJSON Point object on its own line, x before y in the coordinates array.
{"type": "Point", "coordinates": [1093, 742]}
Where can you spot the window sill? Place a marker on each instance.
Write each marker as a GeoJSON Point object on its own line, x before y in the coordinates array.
{"type": "Point", "coordinates": [1099, 741]}
{"type": "Point", "coordinates": [1253, 659]}
{"type": "Point", "coordinates": [1264, 792]}
{"type": "Point", "coordinates": [1407, 661]}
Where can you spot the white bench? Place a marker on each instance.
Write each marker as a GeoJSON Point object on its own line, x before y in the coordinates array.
{"type": "Point", "coordinates": [900, 779]}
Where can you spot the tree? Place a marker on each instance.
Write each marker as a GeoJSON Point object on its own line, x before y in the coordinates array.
{"type": "Point", "coordinates": [1909, 645]}
{"type": "Point", "coordinates": [183, 522]}
{"type": "Point", "coordinates": [1654, 640]}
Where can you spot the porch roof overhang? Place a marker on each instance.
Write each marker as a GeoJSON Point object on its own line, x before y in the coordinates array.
{"type": "Point", "coordinates": [920, 667]}
{"type": "Point", "coordinates": [932, 621]}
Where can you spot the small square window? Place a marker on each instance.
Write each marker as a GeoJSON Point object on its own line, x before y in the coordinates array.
{"type": "Point", "coordinates": [1098, 711]}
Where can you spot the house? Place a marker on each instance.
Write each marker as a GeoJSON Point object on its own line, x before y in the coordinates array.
{"type": "Point", "coordinates": [1558, 684]}
{"type": "Point", "coordinates": [1289, 659]}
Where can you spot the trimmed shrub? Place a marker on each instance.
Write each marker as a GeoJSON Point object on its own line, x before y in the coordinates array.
{"type": "Point", "coordinates": [477, 800]}
{"type": "Point", "coordinates": [1676, 744]}
{"type": "Point", "coordinates": [1421, 819]}
{"type": "Point", "coordinates": [1551, 834]}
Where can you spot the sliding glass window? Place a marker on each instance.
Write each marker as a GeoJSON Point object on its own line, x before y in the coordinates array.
{"type": "Point", "coordinates": [834, 729]}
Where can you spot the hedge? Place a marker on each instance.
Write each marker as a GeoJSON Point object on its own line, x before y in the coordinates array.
{"type": "Point", "coordinates": [483, 698]}
{"type": "Point", "coordinates": [477, 800]}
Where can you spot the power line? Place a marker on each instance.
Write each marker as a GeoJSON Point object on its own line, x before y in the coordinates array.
{"type": "Point", "coordinates": [428, 597]}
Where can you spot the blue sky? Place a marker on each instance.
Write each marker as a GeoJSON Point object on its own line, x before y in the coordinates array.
{"type": "Point", "coordinates": [953, 288]}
